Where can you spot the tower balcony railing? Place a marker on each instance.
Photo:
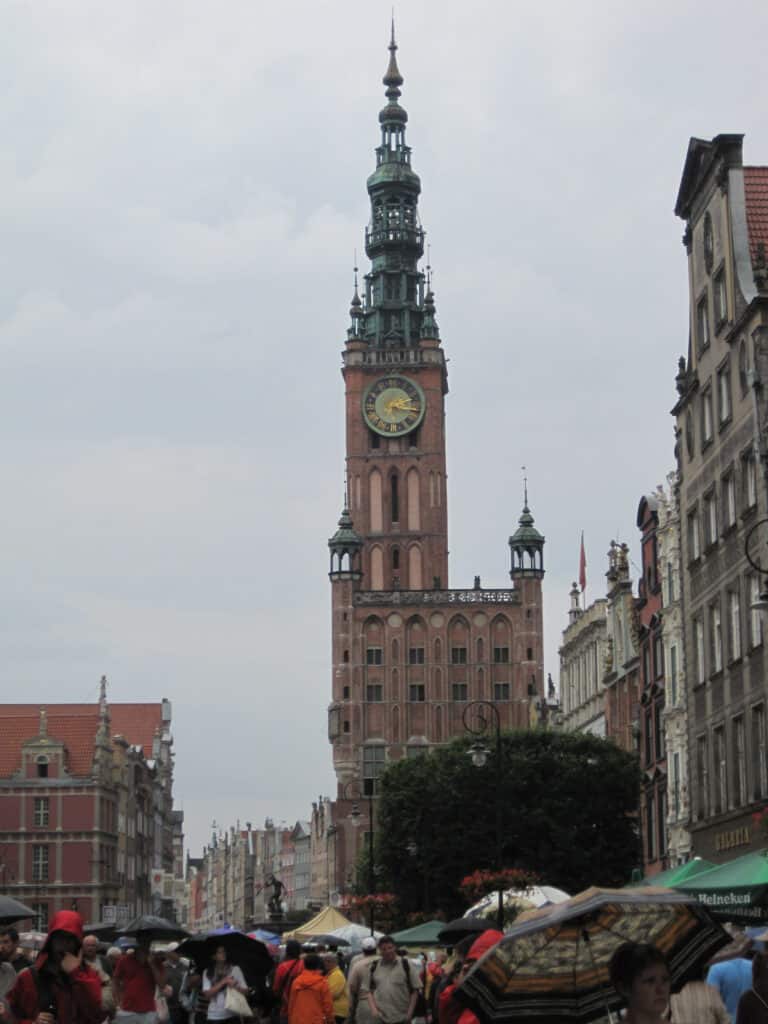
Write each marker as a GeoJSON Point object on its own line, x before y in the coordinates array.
{"type": "Point", "coordinates": [394, 236]}
{"type": "Point", "coordinates": [506, 595]}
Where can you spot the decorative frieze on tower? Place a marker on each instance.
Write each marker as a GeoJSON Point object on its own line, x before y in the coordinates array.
{"type": "Point", "coordinates": [408, 651]}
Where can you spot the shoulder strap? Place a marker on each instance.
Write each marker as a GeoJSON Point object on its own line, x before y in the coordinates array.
{"type": "Point", "coordinates": [372, 980]}
{"type": "Point", "coordinates": [408, 979]}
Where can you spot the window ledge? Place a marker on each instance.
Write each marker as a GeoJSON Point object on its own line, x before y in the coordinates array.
{"type": "Point", "coordinates": [735, 661]}
{"type": "Point", "coordinates": [717, 675]}
{"type": "Point", "coordinates": [749, 512]}
{"type": "Point", "coordinates": [710, 547]}
{"type": "Point", "coordinates": [707, 443]}
{"type": "Point", "coordinates": [729, 528]}
{"type": "Point", "coordinates": [694, 562]}
{"type": "Point", "coordinates": [726, 422]}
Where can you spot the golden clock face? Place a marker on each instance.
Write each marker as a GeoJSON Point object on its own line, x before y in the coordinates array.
{"type": "Point", "coordinates": [393, 406]}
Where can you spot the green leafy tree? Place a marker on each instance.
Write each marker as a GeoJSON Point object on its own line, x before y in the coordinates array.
{"type": "Point", "coordinates": [568, 812]}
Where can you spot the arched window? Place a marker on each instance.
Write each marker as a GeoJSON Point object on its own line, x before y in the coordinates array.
{"type": "Point", "coordinates": [414, 568]}
{"type": "Point", "coordinates": [377, 569]}
{"type": "Point", "coordinates": [394, 492]}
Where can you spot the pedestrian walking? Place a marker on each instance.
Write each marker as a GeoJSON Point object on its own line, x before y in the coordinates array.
{"type": "Point", "coordinates": [219, 976]}
{"type": "Point", "coordinates": [391, 985]}
{"type": "Point", "coordinates": [98, 964]}
{"type": "Point", "coordinates": [137, 976]}
{"type": "Point", "coordinates": [310, 999]}
{"type": "Point", "coordinates": [59, 987]}
{"type": "Point", "coordinates": [359, 1010]}
{"type": "Point", "coordinates": [732, 978]}
{"type": "Point", "coordinates": [640, 974]}
{"type": "Point", "coordinates": [285, 974]}
{"type": "Point", "coordinates": [753, 1004]}
{"type": "Point", "coordinates": [337, 985]}
{"type": "Point", "coordinates": [10, 952]}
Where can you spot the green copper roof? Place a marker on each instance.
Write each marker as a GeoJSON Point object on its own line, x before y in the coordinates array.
{"type": "Point", "coordinates": [346, 537]}
{"type": "Point", "coordinates": [526, 533]}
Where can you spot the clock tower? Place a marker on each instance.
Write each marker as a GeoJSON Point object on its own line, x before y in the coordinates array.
{"type": "Point", "coordinates": [409, 653]}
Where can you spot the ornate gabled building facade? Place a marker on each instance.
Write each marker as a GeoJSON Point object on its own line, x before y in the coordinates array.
{"type": "Point", "coordinates": [622, 677]}
{"type": "Point", "coordinates": [582, 664]}
{"type": "Point", "coordinates": [408, 651]}
{"type": "Point", "coordinates": [721, 420]}
{"type": "Point", "coordinates": [86, 808]}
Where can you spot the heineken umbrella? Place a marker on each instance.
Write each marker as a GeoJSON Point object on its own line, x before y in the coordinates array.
{"type": "Point", "coordinates": [11, 910]}
{"type": "Point", "coordinates": [672, 878]}
{"type": "Point", "coordinates": [553, 964]}
{"type": "Point", "coordinates": [736, 891]}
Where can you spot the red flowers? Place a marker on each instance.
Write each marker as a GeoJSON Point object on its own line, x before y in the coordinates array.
{"type": "Point", "coordinates": [480, 883]}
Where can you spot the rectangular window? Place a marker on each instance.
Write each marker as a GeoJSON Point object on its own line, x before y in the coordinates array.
{"type": "Point", "coordinates": [694, 535]}
{"type": "Point", "coordinates": [39, 863]}
{"type": "Point", "coordinates": [374, 656]}
{"type": "Point", "coordinates": [739, 762]}
{"type": "Point", "coordinates": [676, 785]}
{"type": "Point", "coordinates": [40, 911]}
{"type": "Point", "coordinates": [658, 728]}
{"type": "Point", "coordinates": [716, 637]}
{"type": "Point", "coordinates": [42, 811]}
{"type": "Point", "coordinates": [755, 615]}
{"type": "Point", "coordinates": [460, 692]}
{"type": "Point", "coordinates": [416, 693]}
{"type": "Point", "coordinates": [698, 636]}
{"type": "Point", "coordinates": [721, 299]}
{"type": "Point", "coordinates": [458, 655]}
{"type": "Point", "coordinates": [759, 754]}
{"type": "Point", "coordinates": [373, 768]}
{"type": "Point", "coordinates": [374, 693]}
{"type": "Point", "coordinates": [724, 394]}
{"type": "Point", "coordinates": [702, 778]}
{"type": "Point", "coordinates": [729, 500]}
{"type": "Point", "coordinates": [501, 691]}
{"type": "Point", "coordinates": [415, 655]}
{"type": "Point", "coordinates": [710, 517]}
{"type": "Point", "coordinates": [673, 674]}
{"type": "Point", "coordinates": [501, 655]}
{"type": "Point", "coordinates": [658, 656]}
{"type": "Point", "coordinates": [734, 624]}
{"type": "Point", "coordinates": [702, 324]}
{"type": "Point", "coordinates": [749, 470]}
{"type": "Point", "coordinates": [721, 771]}
{"type": "Point", "coordinates": [706, 416]}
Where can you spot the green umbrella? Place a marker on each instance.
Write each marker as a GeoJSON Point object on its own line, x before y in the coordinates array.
{"type": "Point", "coordinates": [673, 877]}
{"type": "Point", "coordinates": [421, 935]}
{"type": "Point", "coordinates": [736, 891]}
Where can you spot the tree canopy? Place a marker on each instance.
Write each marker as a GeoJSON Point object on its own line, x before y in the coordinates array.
{"type": "Point", "coordinates": [568, 804]}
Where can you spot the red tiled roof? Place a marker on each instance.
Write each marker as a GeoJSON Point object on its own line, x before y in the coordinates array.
{"type": "Point", "coordinates": [756, 195]}
{"type": "Point", "coordinates": [75, 725]}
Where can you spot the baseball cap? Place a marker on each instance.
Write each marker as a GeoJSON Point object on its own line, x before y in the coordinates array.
{"type": "Point", "coordinates": [368, 942]}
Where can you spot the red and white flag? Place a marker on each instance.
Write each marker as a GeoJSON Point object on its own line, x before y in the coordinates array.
{"type": "Point", "coordinates": [582, 565]}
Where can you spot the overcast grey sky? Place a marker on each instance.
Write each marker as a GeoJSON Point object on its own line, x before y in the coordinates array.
{"type": "Point", "coordinates": [182, 187]}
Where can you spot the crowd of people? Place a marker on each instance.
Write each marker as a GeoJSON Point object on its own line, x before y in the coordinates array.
{"type": "Point", "coordinates": [76, 980]}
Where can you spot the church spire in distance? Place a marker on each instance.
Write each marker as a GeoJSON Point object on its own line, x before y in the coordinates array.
{"type": "Point", "coordinates": [394, 299]}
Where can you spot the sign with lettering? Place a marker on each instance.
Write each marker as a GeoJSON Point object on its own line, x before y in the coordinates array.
{"type": "Point", "coordinates": [733, 837]}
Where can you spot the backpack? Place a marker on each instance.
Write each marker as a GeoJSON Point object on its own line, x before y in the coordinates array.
{"type": "Point", "coordinates": [420, 1008]}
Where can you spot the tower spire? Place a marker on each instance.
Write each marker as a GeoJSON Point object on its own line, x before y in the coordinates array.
{"type": "Point", "coordinates": [393, 79]}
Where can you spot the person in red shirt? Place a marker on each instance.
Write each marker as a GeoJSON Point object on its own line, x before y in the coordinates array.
{"type": "Point", "coordinates": [136, 977]}
{"type": "Point", "coordinates": [286, 974]}
{"type": "Point", "coordinates": [60, 988]}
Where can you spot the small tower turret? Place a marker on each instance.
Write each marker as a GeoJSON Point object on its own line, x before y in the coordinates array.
{"type": "Point", "coordinates": [526, 547]}
{"type": "Point", "coordinates": [574, 612]}
{"type": "Point", "coordinates": [345, 547]}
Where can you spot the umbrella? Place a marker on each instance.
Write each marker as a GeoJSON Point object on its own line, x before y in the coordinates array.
{"type": "Point", "coordinates": [11, 910]}
{"type": "Point", "coordinates": [532, 898]}
{"type": "Point", "coordinates": [328, 940]}
{"type": "Point", "coordinates": [673, 877]}
{"type": "Point", "coordinates": [734, 891]}
{"type": "Point", "coordinates": [424, 934]}
{"type": "Point", "coordinates": [268, 938]}
{"type": "Point", "coordinates": [250, 955]}
{"type": "Point", "coordinates": [107, 931]}
{"type": "Point", "coordinates": [553, 963]}
{"type": "Point", "coordinates": [154, 929]}
{"type": "Point", "coordinates": [32, 940]}
{"type": "Point", "coordinates": [460, 929]}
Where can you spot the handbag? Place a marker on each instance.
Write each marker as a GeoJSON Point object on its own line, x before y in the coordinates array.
{"type": "Point", "coordinates": [161, 1009]}
{"type": "Point", "coordinates": [236, 1003]}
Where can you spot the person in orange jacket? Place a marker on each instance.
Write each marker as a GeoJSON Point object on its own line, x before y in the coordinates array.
{"type": "Point", "coordinates": [310, 999]}
{"type": "Point", "coordinates": [60, 987]}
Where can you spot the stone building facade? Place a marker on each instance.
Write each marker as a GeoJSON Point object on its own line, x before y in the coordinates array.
{"type": "Point", "coordinates": [721, 430]}
{"type": "Point", "coordinates": [582, 665]}
{"type": "Point", "coordinates": [622, 676]}
{"type": "Point", "coordinates": [409, 653]}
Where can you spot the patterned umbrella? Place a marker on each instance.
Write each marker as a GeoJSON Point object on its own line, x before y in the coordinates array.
{"type": "Point", "coordinates": [553, 964]}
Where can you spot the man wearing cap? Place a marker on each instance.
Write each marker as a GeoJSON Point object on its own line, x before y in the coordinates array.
{"type": "Point", "coordinates": [359, 1011]}
{"type": "Point", "coordinates": [59, 988]}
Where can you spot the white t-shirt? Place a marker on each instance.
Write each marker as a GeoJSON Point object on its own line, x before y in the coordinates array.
{"type": "Point", "coordinates": [216, 1008]}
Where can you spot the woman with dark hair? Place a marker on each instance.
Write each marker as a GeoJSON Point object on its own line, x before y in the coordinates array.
{"type": "Point", "coordinates": [640, 974]}
{"type": "Point", "coordinates": [217, 978]}
{"type": "Point", "coordinates": [753, 1005]}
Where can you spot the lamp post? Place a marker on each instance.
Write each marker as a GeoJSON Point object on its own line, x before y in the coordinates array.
{"type": "Point", "coordinates": [477, 718]}
{"type": "Point", "coordinates": [352, 791]}
{"type": "Point", "coordinates": [756, 550]}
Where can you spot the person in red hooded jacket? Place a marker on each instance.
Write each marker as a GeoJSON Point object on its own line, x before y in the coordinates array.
{"type": "Point", "coordinates": [450, 1010]}
{"type": "Point", "coordinates": [60, 988]}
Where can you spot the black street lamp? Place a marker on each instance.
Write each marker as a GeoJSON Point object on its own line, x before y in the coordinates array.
{"type": "Point", "coordinates": [478, 717]}
{"type": "Point", "coordinates": [352, 791]}
{"type": "Point", "coordinates": [754, 543]}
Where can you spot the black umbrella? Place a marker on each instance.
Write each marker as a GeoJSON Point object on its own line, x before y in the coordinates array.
{"type": "Point", "coordinates": [11, 910]}
{"type": "Point", "coordinates": [460, 929]}
{"type": "Point", "coordinates": [250, 955]}
{"type": "Point", "coordinates": [154, 929]}
{"type": "Point", "coordinates": [107, 931]}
